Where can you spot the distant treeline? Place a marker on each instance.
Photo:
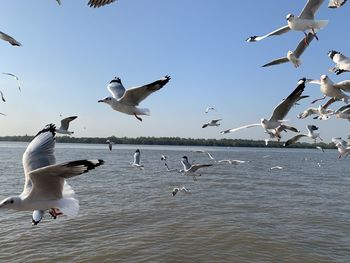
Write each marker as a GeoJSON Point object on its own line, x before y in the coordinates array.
{"type": "Point", "coordinates": [172, 141]}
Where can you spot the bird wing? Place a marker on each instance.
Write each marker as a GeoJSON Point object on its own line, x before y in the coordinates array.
{"type": "Point", "coordinates": [282, 109]}
{"type": "Point", "coordinates": [339, 140]}
{"type": "Point", "coordinates": [137, 157]}
{"type": "Point", "coordinates": [310, 9]}
{"type": "Point", "coordinates": [99, 3]}
{"type": "Point", "coordinates": [134, 96]}
{"type": "Point", "coordinates": [58, 2]}
{"type": "Point", "coordinates": [294, 139]}
{"type": "Point", "coordinates": [215, 121]}
{"type": "Point", "coordinates": [48, 181]}
{"type": "Point", "coordinates": [276, 62]}
{"type": "Point", "coordinates": [284, 127]}
{"type": "Point", "coordinates": [336, 3]}
{"type": "Point", "coordinates": [39, 153]}
{"type": "Point", "coordinates": [16, 78]}
{"type": "Point", "coordinates": [343, 109]}
{"type": "Point", "coordinates": [242, 127]}
{"type": "Point", "coordinates": [116, 88]}
{"type": "Point", "coordinates": [343, 85]}
{"type": "Point", "coordinates": [2, 96]}
{"type": "Point", "coordinates": [65, 122]}
{"type": "Point", "coordinates": [9, 39]}
{"type": "Point", "coordinates": [276, 32]}
{"type": "Point", "coordinates": [208, 109]}
{"type": "Point", "coordinates": [195, 167]}
{"type": "Point", "coordinates": [303, 44]}
{"type": "Point", "coordinates": [314, 81]}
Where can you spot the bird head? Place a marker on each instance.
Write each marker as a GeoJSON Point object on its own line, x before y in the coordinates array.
{"type": "Point", "coordinates": [117, 80]}
{"type": "Point", "coordinates": [107, 100]}
{"type": "Point", "coordinates": [332, 53]}
{"type": "Point", "coordinates": [324, 78]}
{"type": "Point", "coordinates": [290, 17]}
{"type": "Point", "coordinates": [10, 202]}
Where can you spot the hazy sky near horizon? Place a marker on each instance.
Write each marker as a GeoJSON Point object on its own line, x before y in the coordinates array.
{"type": "Point", "coordinates": [71, 52]}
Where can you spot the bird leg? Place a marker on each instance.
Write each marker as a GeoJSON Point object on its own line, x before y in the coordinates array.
{"type": "Point", "coordinates": [137, 117]}
{"type": "Point", "coordinates": [319, 99]}
{"type": "Point", "coordinates": [54, 212]}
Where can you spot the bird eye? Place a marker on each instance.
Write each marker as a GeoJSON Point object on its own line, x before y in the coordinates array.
{"type": "Point", "coordinates": [11, 201]}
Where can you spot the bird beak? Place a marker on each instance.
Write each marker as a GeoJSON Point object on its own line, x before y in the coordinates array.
{"type": "Point", "coordinates": [100, 101]}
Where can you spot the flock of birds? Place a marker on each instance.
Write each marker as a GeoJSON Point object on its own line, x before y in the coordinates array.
{"type": "Point", "coordinates": [46, 188]}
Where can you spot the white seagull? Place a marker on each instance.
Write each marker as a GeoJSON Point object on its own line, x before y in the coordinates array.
{"type": "Point", "coordinates": [343, 147]}
{"type": "Point", "coordinates": [311, 134]}
{"type": "Point", "coordinates": [320, 148]}
{"type": "Point", "coordinates": [305, 21]}
{"type": "Point", "coordinates": [137, 159]}
{"type": "Point", "coordinates": [45, 185]}
{"type": "Point", "coordinates": [63, 129]}
{"type": "Point", "coordinates": [331, 89]}
{"type": "Point", "coordinates": [9, 39]}
{"type": "Point", "coordinates": [110, 144]}
{"type": "Point", "coordinates": [182, 189]}
{"type": "Point", "coordinates": [276, 133]}
{"type": "Point", "coordinates": [16, 78]}
{"type": "Point", "coordinates": [336, 3]}
{"type": "Point", "coordinates": [213, 123]}
{"type": "Point", "coordinates": [190, 169]}
{"type": "Point", "coordinates": [342, 62]}
{"type": "Point", "coordinates": [208, 109]}
{"type": "Point", "coordinates": [125, 101]}
{"type": "Point", "coordinates": [95, 3]}
{"type": "Point", "coordinates": [279, 113]}
{"type": "Point", "coordinates": [293, 56]}
{"type": "Point", "coordinates": [321, 112]}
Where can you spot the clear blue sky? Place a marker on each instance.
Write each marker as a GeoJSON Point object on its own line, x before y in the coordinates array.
{"type": "Point", "coordinates": [71, 52]}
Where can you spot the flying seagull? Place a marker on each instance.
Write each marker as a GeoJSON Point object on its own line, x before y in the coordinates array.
{"type": "Point", "coordinates": [342, 63]}
{"type": "Point", "coordinates": [95, 3]}
{"type": "Point", "coordinates": [191, 169]}
{"type": "Point", "coordinates": [9, 39]}
{"type": "Point", "coordinates": [2, 96]}
{"type": "Point", "coordinates": [311, 134]}
{"type": "Point", "coordinates": [336, 3]}
{"type": "Point", "coordinates": [343, 147]}
{"type": "Point", "coordinates": [305, 21]}
{"type": "Point", "coordinates": [45, 185]}
{"type": "Point", "coordinates": [16, 78]}
{"type": "Point", "coordinates": [125, 101]}
{"type": "Point", "coordinates": [331, 89]}
{"type": "Point", "coordinates": [110, 144]}
{"type": "Point", "coordinates": [208, 109]}
{"type": "Point", "coordinates": [320, 148]}
{"type": "Point", "coordinates": [321, 112]}
{"type": "Point", "coordinates": [293, 56]}
{"type": "Point", "coordinates": [63, 129]}
{"type": "Point", "coordinates": [182, 189]}
{"type": "Point", "coordinates": [276, 133]}
{"type": "Point", "coordinates": [279, 113]}
{"type": "Point", "coordinates": [212, 123]}
{"type": "Point", "coordinates": [137, 159]}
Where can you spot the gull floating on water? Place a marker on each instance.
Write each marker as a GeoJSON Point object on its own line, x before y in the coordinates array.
{"type": "Point", "coordinates": [293, 56]}
{"type": "Point", "coordinates": [305, 21]}
{"type": "Point", "coordinates": [63, 129]}
{"type": "Point", "coordinates": [331, 89]}
{"type": "Point", "coordinates": [9, 39]}
{"type": "Point", "coordinates": [311, 134]}
{"type": "Point", "coordinates": [45, 185]}
{"type": "Point", "coordinates": [125, 101]}
{"type": "Point", "coordinates": [336, 3]}
{"type": "Point", "coordinates": [342, 62]}
{"type": "Point", "coordinates": [16, 78]}
{"type": "Point", "coordinates": [279, 113]}
{"type": "Point", "coordinates": [182, 189]}
{"type": "Point", "coordinates": [95, 3]}
{"type": "Point", "coordinates": [213, 123]}
{"type": "Point", "coordinates": [137, 159]}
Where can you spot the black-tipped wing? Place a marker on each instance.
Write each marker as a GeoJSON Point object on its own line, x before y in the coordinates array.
{"type": "Point", "coordinates": [310, 9]}
{"type": "Point", "coordinates": [294, 139]}
{"type": "Point", "coordinates": [99, 3]}
{"type": "Point", "coordinates": [276, 62]}
{"type": "Point", "coordinates": [336, 3]}
{"type": "Point", "coordinates": [65, 122]}
{"type": "Point", "coordinates": [48, 181]}
{"type": "Point", "coordinates": [134, 96]}
{"type": "Point", "coordinates": [281, 111]}
{"type": "Point", "coordinates": [9, 39]}
{"type": "Point", "coordinates": [276, 32]}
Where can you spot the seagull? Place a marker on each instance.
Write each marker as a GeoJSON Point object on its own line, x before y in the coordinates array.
{"type": "Point", "coordinates": [190, 169]}
{"type": "Point", "coordinates": [125, 101]}
{"type": "Point", "coordinates": [9, 39]}
{"type": "Point", "coordinates": [343, 147]}
{"type": "Point", "coordinates": [16, 78]}
{"type": "Point", "coordinates": [2, 96]}
{"type": "Point", "coordinates": [65, 125]}
{"type": "Point", "coordinates": [182, 189]}
{"type": "Point", "coordinates": [336, 3]}
{"type": "Point", "coordinates": [305, 21]}
{"type": "Point", "coordinates": [276, 133]}
{"type": "Point", "coordinates": [137, 156]}
{"type": "Point", "coordinates": [311, 134]}
{"type": "Point", "coordinates": [293, 56]}
{"type": "Point", "coordinates": [110, 144]}
{"type": "Point", "coordinates": [320, 148]}
{"type": "Point", "coordinates": [163, 158]}
{"type": "Point", "coordinates": [212, 123]}
{"type": "Point", "coordinates": [276, 168]}
{"type": "Point", "coordinates": [343, 112]}
{"type": "Point", "coordinates": [219, 161]}
{"type": "Point", "coordinates": [45, 185]}
{"type": "Point", "coordinates": [279, 113]}
{"type": "Point", "coordinates": [321, 111]}
{"type": "Point", "coordinates": [331, 89]}
{"type": "Point", "coordinates": [95, 3]}
{"type": "Point", "coordinates": [342, 63]}
{"type": "Point", "coordinates": [208, 109]}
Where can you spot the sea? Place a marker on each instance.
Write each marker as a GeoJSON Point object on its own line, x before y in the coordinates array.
{"type": "Point", "coordinates": [235, 213]}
